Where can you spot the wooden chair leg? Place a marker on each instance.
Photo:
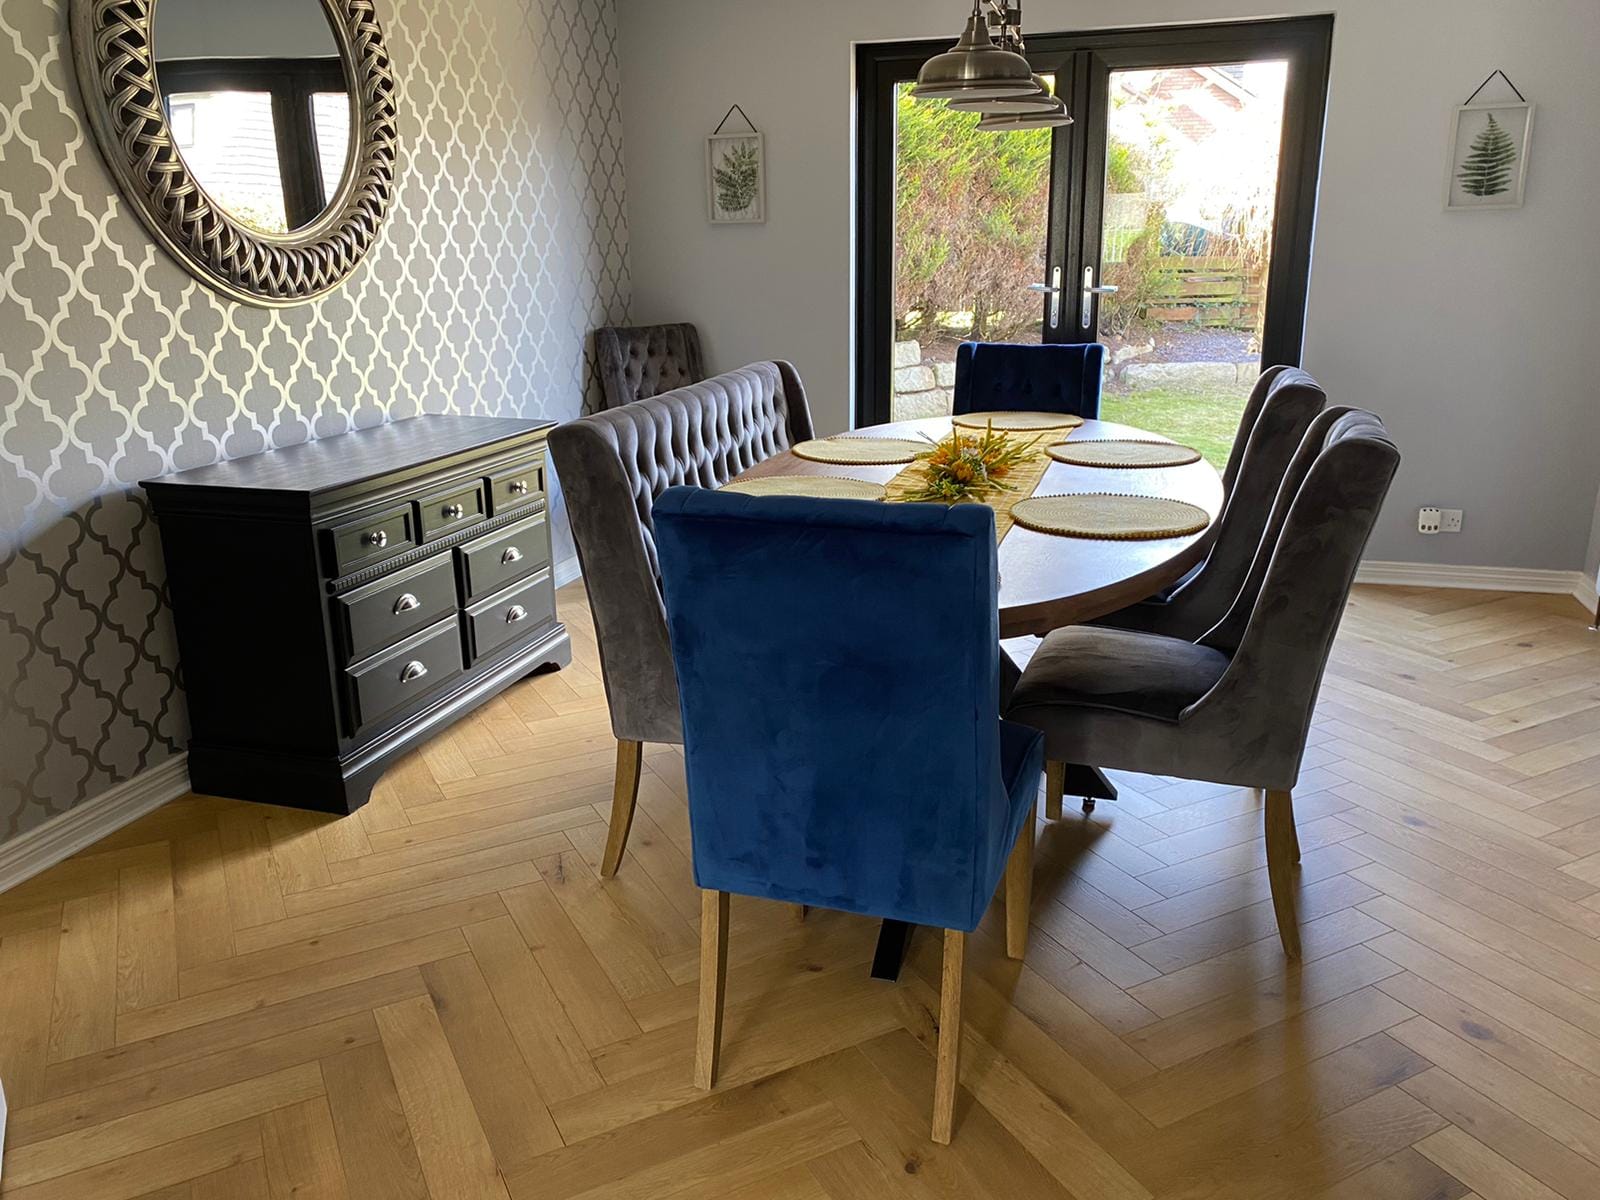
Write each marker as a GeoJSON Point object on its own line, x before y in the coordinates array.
{"type": "Point", "coordinates": [624, 795]}
{"type": "Point", "coordinates": [1283, 851]}
{"type": "Point", "coordinates": [1055, 787]}
{"type": "Point", "coordinates": [713, 986]}
{"type": "Point", "coordinates": [949, 1060]}
{"type": "Point", "coordinates": [799, 911]}
{"type": "Point", "coordinates": [1019, 888]}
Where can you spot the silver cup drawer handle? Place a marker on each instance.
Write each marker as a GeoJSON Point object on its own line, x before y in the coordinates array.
{"type": "Point", "coordinates": [413, 670]}
{"type": "Point", "coordinates": [511, 555]}
{"type": "Point", "coordinates": [378, 537]}
{"type": "Point", "coordinates": [406, 603]}
{"type": "Point", "coordinates": [515, 613]}
{"type": "Point", "coordinates": [453, 512]}
{"type": "Point", "coordinates": [519, 487]}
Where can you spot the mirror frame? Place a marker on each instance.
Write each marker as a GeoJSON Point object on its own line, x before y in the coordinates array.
{"type": "Point", "coordinates": [113, 49]}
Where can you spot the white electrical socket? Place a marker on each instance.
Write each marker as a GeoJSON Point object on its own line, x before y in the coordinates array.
{"type": "Point", "coordinates": [1428, 520]}
{"type": "Point", "coordinates": [1449, 520]}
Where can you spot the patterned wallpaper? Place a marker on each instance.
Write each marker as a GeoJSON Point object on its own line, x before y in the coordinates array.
{"type": "Point", "coordinates": [506, 244]}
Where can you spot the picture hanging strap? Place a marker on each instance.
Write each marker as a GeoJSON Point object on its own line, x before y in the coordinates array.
{"type": "Point", "coordinates": [746, 118]}
{"type": "Point", "coordinates": [1464, 103]}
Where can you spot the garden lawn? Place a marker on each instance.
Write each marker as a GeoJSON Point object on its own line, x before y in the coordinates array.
{"type": "Point", "coordinates": [1204, 419]}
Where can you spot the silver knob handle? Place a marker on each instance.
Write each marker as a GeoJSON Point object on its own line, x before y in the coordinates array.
{"type": "Point", "coordinates": [515, 613]}
{"type": "Point", "coordinates": [377, 537]}
{"type": "Point", "coordinates": [406, 603]}
{"type": "Point", "coordinates": [519, 487]}
{"type": "Point", "coordinates": [511, 555]}
{"type": "Point", "coordinates": [453, 512]}
{"type": "Point", "coordinates": [413, 670]}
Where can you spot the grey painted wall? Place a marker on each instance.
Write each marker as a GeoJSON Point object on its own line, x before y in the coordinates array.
{"type": "Point", "coordinates": [507, 242]}
{"type": "Point", "coordinates": [1591, 564]}
{"type": "Point", "coordinates": [1471, 333]}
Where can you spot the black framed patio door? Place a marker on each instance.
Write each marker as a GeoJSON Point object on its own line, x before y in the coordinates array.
{"type": "Point", "coordinates": [1172, 220]}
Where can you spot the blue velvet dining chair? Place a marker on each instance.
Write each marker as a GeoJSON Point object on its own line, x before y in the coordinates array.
{"type": "Point", "coordinates": [837, 668]}
{"type": "Point", "coordinates": [1000, 377]}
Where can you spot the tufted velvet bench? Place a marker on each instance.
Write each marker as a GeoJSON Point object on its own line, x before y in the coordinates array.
{"type": "Point", "coordinates": [612, 465]}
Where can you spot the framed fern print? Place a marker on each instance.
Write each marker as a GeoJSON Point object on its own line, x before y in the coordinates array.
{"type": "Point", "coordinates": [736, 178]}
{"type": "Point", "coordinates": [1488, 156]}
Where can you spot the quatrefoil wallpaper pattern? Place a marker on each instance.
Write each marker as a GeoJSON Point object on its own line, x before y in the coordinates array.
{"type": "Point", "coordinates": [506, 243]}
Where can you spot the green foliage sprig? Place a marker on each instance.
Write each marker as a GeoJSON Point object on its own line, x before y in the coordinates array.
{"type": "Point", "coordinates": [1487, 169]}
{"type": "Point", "coordinates": [738, 178]}
{"type": "Point", "coordinates": [969, 466]}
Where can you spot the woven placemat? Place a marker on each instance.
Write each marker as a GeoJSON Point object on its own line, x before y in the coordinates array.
{"type": "Point", "coordinates": [866, 451]}
{"type": "Point", "coordinates": [820, 487]}
{"type": "Point", "coordinates": [1119, 452]}
{"type": "Point", "coordinates": [1109, 516]}
{"type": "Point", "coordinates": [1017, 422]}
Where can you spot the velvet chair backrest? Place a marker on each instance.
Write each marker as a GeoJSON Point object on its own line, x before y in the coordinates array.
{"type": "Point", "coordinates": [640, 361]}
{"type": "Point", "coordinates": [1281, 626]}
{"type": "Point", "coordinates": [1289, 405]}
{"type": "Point", "coordinates": [838, 664]}
{"type": "Point", "coordinates": [1247, 423]}
{"type": "Point", "coordinates": [612, 465]}
{"type": "Point", "coordinates": [999, 377]}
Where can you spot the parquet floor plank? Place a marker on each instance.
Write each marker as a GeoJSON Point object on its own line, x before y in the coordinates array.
{"type": "Point", "coordinates": [441, 999]}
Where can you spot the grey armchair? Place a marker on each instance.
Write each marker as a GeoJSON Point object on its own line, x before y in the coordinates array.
{"type": "Point", "coordinates": [640, 361]}
{"type": "Point", "coordinates": [1278, 416]}
{"type": "Point", "coordinates": [1235, 706]}
{"type": "Point", "coordinates": [612, 465]}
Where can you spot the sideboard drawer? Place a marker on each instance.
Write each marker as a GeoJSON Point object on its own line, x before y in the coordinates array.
{"type": "Point", "coordinates": [445, 512]}
{"type": "Point", "coordinates": [381, 613]}
{"type": "Point", "coordinates": [515, 612]}
{"type": "Point", "coordinates": [496, 559]}
{"type": "Point", "coordinates": [513, 487]}
{"type": "Point", "coordinates": [407, 673]}
{"type": "Point", "coordinates": [372, 539]}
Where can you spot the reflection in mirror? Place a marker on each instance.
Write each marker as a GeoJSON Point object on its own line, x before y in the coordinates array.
{"type": "Point", "coordinates": [258, 104]}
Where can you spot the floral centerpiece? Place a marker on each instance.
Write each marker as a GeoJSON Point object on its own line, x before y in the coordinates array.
{"type": "Point", "coordinates": [968, 465]}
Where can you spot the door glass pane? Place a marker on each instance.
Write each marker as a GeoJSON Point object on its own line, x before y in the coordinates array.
{"type": "Point", "coordinates": [228, 144]}
{"type": "Point", "coordinates": [1191, 181]}
{"type": "Point", "coordinates": [330, 114]}
{"type": "Point", "coordinates": [970, 230]}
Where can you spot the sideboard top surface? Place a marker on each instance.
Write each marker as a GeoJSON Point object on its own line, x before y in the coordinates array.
{"type": "Point", "coordinates": [332, 463]}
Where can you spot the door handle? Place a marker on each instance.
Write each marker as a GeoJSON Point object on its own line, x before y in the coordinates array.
{"type": "Point", "coordinates": [1090, 291]}
{"type": "Point", "coordinates": [1053, 290]}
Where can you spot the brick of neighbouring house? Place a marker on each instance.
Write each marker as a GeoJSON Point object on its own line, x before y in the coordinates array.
{"type": "Point", "coordinates": [914, 379]}
{"type": "Point", "coordinates": [907, 354]}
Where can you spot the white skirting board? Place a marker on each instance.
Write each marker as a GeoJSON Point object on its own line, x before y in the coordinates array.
{"type": "Point", "coordinates": [1487, 579]}
{"type": "Point", "coordinates": [85, 823]}
{"type": "Point", "coordinates": [567, 570]}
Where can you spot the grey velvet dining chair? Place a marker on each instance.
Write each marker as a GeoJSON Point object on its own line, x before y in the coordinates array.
{"type": "Point", "coordinates": [639, 361]}
{"type": "Point", "coordinates": [611, 466]}
{"type": "Point", "coordinates": [1235, 706]}
{"type": "Point", "coordinates": [1278, 420]}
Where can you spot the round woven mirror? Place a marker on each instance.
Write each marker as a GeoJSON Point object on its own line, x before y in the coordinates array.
{"type": "Point", "coordinates": [256, 138]}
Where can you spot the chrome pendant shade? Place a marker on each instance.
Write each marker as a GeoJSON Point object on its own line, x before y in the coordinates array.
{"type": "Point", "coordinates": [982, 75]}
{"type": "Point", "coordinates": [974, 68]}
{"type": "Point", "coordinates": [1040, 100]}
{"type": "Point", "coordinates": [1006, 122]}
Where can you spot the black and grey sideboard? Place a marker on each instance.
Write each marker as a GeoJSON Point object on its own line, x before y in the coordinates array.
{"type": "Point", "coordinates": [339, 601]}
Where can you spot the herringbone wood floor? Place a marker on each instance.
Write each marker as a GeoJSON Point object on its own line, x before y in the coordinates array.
{"type": "Point", "coordinates": [440, 998]}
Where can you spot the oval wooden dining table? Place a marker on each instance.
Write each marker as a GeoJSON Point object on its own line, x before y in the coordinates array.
{"type": "Point", "coordinates": [1048, 581]}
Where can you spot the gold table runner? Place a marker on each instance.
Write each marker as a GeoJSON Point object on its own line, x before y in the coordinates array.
{"type": "Point", "coordinates": [1024, 477]}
